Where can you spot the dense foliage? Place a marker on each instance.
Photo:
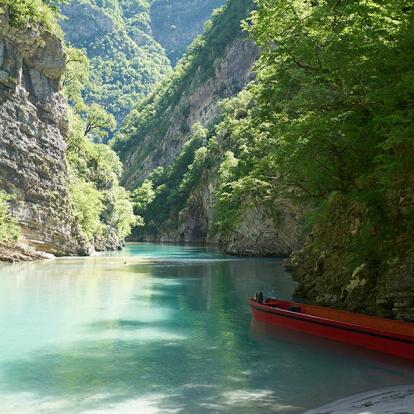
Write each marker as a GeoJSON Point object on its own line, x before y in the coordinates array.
{"type": "Point", "coordinates": [101, 205]}
{"type": "Point", "coordinates": [9, 229]}
{"type": "Point", "coordinates": [25, 13]}
{"type": "Point", "coordinates": [334, 113]}
{"type": "Point", "coordinates": [195, 67]}
{"type": "Point", "coordinates": [125, 60]}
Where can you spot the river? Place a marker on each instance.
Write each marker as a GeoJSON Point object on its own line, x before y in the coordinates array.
{"type": "Point", "coordinates": [165, 329]}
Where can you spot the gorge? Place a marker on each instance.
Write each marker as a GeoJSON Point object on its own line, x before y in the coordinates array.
{"type": "Point", "coordinates": [169, 158]}
{"type": "Point", "coordinates": [261, 150]}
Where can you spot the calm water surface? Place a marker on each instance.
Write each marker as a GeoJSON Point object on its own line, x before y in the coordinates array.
{"type": "Point", "coordinates": [164, 329]}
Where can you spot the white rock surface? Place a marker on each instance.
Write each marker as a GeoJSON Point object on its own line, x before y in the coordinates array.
{"type": "Point", "coordinates": [391, 400]}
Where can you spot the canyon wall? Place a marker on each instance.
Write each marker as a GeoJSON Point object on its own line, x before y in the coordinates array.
{"type": "Point", "coordinates": [33, 128]}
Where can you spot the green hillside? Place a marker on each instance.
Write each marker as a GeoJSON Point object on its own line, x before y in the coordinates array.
{"type": "Point", "coordinates": [125, 60]}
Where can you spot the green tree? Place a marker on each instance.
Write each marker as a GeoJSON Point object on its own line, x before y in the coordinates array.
{"type": "Point", "coordinates": [76, 74]}
{"type": "Point", "coordinates": [143, 196]}
{"type": "Point", "coordinates": [98, 122]}
{"type": "Point", "coordinates": [9, 229]}
{"type": "Point", "coordinates": [87, 202]}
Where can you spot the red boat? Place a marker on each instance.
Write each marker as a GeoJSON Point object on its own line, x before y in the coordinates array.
{"type": "Point", "coordinates": [378, 334]}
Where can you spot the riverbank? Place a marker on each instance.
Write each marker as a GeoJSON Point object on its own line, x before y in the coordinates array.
{"type": "Point", "coordinates": [21, 252]}
{"type": "Point", "coordinates": [391, 400]}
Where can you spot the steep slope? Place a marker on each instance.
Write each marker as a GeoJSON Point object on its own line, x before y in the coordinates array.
{"type": "Point", "coordinates": [128, 42]}
{"type": "Point", "coordinates": [217, 66]}
{"type": "Point", "coordinates": [187, 200]}
{"type": "Point", "coordinates": [178, 140]}
{"type": "Point", "coordinates": [175, 23]}
{"type": "Point", "coordinates": [33, 131]}
{"type": "Point", "coordinates": [125, 59]}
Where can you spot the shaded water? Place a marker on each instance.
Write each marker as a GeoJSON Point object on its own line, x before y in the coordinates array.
{"type": "Point", "coordinates": [164, 329]}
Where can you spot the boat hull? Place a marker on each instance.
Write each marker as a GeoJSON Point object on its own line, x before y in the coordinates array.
{"type": "Point", "coordinates": [346, 333]}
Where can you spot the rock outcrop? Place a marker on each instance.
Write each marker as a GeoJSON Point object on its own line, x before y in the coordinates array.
{"type": "Point", "coordinates": [329, 274]}
{"type": "Point", "coordinates": [258, 233]}
{"type": "Point", "coordinates": [33, 128]}
{"type": "Point", "coordinates": [83, 23]}
{"type": "Point", "coordinates": [199, 103]}
{"type": "Point", "coordinates": [398, 399]}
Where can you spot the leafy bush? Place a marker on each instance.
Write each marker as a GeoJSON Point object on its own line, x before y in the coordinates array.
{"type": "Point", "coordinates": [87, 203]}
{"type": "Point", "coordinates": [9, 229]}
{"type": "Point", "coordinates": [32, 13]}
{"type": "Point", "coordinates": [101, 205]}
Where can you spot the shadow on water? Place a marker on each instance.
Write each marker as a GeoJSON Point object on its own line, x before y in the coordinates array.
{"type": "Point", "coordinates": [169, 337]}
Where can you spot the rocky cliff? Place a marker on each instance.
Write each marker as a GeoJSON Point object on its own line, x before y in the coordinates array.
{"type": "Point", "coordinates": [262, 230]}
{"type": "Point", "coordinates": [330, 275]}
{"type": "Point", "coordinates": [215, 72]}
{"type": "Point", "coordinates": [161, 134]}
{"type": "Point", "coordinates": [33, 130]}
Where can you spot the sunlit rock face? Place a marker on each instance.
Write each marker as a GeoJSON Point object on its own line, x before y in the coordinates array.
{"type": "Point", "coordinates": [199, 103]}
{"type": "Point", "coordinates": [84, 23]}
{"type": "Point", "coordinates": [33, 128]}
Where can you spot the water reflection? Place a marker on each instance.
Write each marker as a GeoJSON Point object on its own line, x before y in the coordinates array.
{"type": "Point", "coordinates": [163, 329]}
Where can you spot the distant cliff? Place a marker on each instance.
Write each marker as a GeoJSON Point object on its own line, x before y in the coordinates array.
{"type": "Point", "coordinates": [33, 129]}
{"type": "Point", "coordinates": [125, 59]}
{"type": "Point", "coordinates": [217, 68]}
{"type": "Point", "coordinates": [130, 44]}
{"type": "Point", "coordinates": [175, 23]}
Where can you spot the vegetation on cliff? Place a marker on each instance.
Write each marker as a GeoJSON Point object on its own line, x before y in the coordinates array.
{"type": "Point", "coordinates": [26, 13]}
{"type": "Point", "coordinates": [195, 67]}
{"type": "Point", "coordinates": [163, 195]}
{"type": "Point", "coordinates": [129, 44]}
{"type": "Point", "coordinates": [9, 229]}
{"type": "Point", "coordinates": [125, 60]}
{"type": "Point", "coordinates": [101, 205]}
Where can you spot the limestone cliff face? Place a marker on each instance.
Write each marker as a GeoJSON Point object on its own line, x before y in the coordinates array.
{"type": "Point", "coordinates": [33, 127]}
{"type": "Point", "coordinates": [263, 230]}
{"type": "Point", "coordinates": [84, 23]}
{"type": "Point", "coordinates": [199, 103]}
{"type": "Point", "coordinates": [259, 233]}
{"type": "Point", "coordinates": [330, 276]}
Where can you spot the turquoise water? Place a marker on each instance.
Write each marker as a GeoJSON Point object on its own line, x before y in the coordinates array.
{"type": "Point", "coordinates": [164, 329]}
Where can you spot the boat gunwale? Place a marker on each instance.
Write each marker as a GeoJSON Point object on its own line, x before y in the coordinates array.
{"type": "Point", "coordinates": [331, 323]}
